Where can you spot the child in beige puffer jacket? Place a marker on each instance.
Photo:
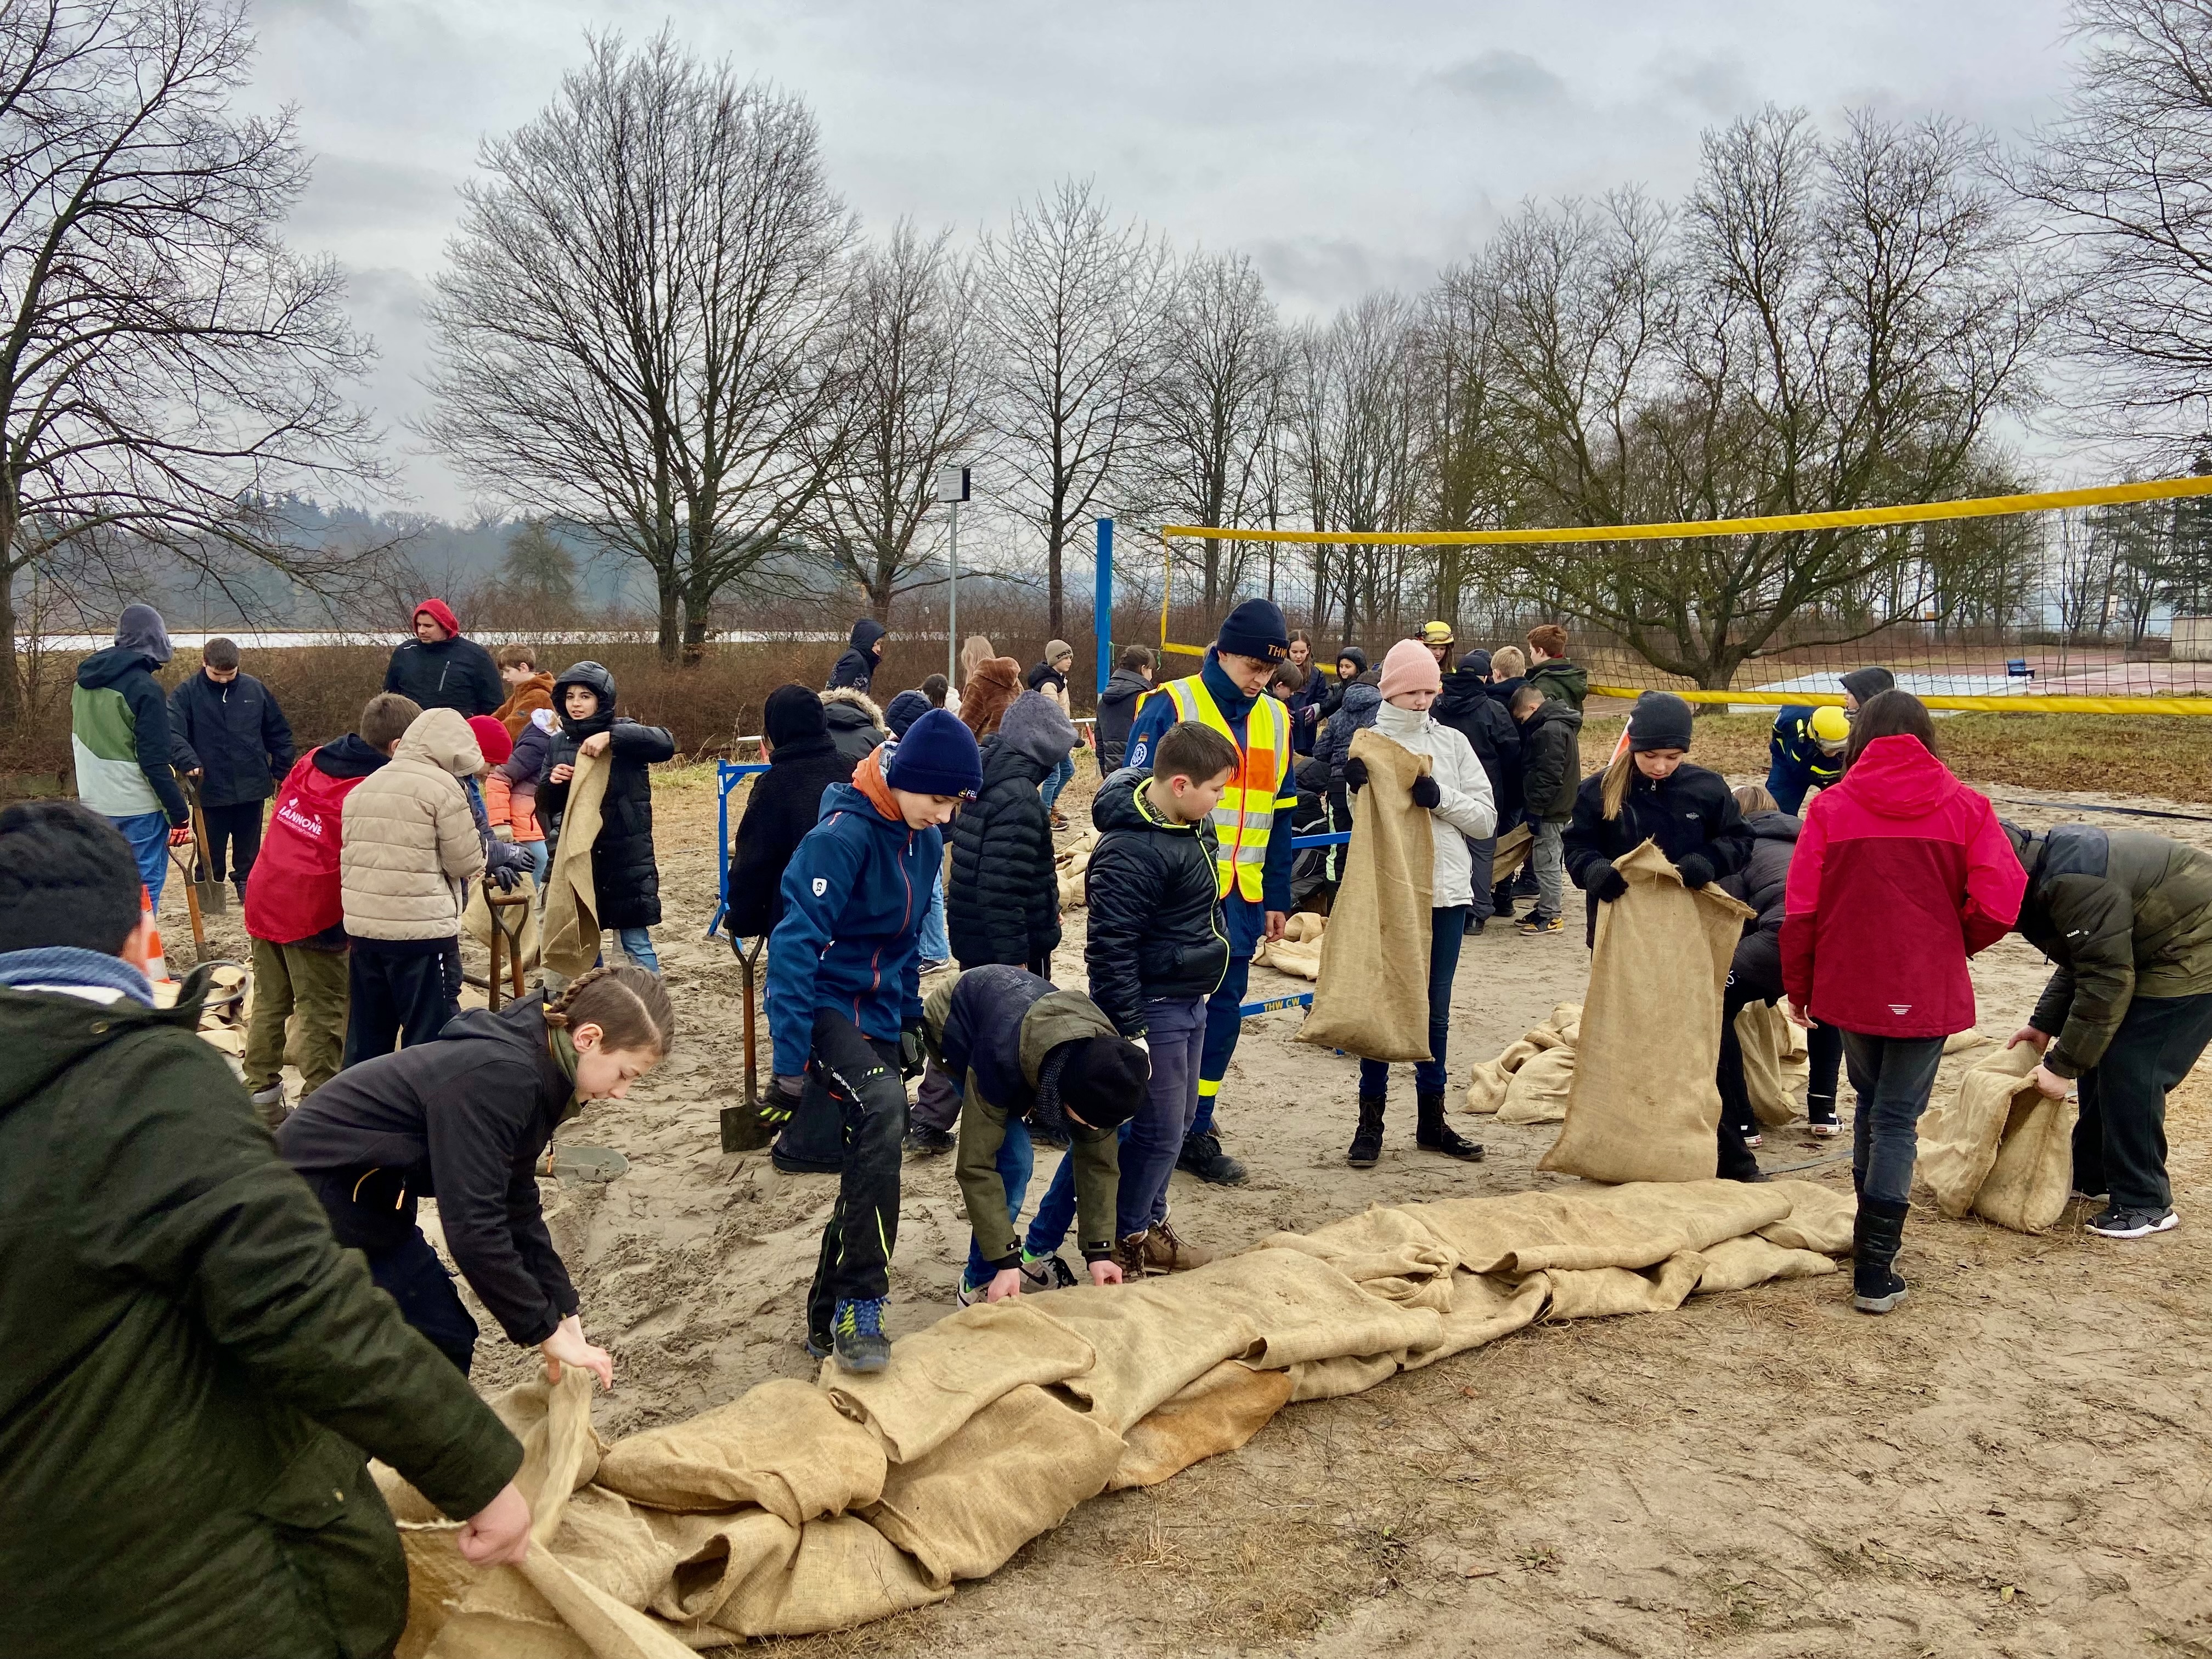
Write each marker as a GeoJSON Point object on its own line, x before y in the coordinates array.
{"type": "Point", "coordinates": [408, 847]}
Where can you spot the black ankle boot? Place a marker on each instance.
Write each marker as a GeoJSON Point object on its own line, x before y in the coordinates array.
{"type": "Point", "coordinates": [1435, 1135]}
{"type": "Point", "coordinates": [1367, 1138]}
{"type": "Point", "coordinates": [1877, 1235]}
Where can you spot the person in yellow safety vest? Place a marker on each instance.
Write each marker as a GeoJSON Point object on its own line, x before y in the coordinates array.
{"type": "Point", "coordinates": [1252, 827]}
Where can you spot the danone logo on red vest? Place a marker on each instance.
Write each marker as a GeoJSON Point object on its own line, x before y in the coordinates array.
{"type": "Point", "coordinates": [303, 819]}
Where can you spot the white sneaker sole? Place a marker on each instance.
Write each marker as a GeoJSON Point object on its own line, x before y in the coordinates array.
{"type": "Point", "coordinates": [2166, 1224]}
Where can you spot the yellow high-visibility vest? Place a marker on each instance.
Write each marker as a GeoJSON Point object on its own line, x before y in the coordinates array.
{"type": "Point", "coordinates": [1246, 814]}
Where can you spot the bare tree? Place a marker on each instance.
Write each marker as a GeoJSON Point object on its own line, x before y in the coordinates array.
{"type": "Point", "coordinates": [916, 392]}
{"type": "Point", "coordinates": [168, 368]}
{"type": "Point", "coordinates": [1214, 410]}
{"type": "Point", "coordinates": [2128, 170]}
{"type": "Point", "coordinates": [638, 333]}
{"type": "Point", "coordinates": [1071, 300]}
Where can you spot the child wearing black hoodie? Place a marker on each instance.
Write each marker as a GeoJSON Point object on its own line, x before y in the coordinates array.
{"type": "Point", "coordinates": [625, 874]}
{"type": "Point", "coordinates": [1003, 903]}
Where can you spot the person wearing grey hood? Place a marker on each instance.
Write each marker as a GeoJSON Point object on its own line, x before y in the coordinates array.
{"type": "Point", "coordinates": [120, 734]}
{"type": "Point", "coordinates": [1003, 903]}
{"type": "Point", "coordinates": [1862, 684]}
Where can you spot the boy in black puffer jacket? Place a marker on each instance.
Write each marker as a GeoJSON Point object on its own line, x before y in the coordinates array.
{"type": "Point", "coordinates": [625, 875]}
{"type": "Point", "coordinates": [1003, 904]}
{"type": "Point", "coordinates": [1156, 950]}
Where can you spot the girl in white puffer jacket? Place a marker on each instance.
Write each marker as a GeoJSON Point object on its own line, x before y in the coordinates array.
{"type": "Point", "coordinates": [1456, 792]}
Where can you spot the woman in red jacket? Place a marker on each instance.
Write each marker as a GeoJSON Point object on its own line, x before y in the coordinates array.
{"type": "Point", "coordinates": [1901, 874]}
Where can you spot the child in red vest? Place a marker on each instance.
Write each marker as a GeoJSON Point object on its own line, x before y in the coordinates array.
{"type": "Point", "coordinates": [294, 916]}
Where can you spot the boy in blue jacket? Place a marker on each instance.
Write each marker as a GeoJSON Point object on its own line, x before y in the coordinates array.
{"type": "Point", "coordinates": [844, 1003]}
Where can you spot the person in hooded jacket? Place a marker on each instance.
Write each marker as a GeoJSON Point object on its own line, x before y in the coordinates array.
{"type": "Point", "coordinates": [1456, 793]}
{"type": "Point", "coordinates": [295, 915]}
{"type": "Point", "coordinates": [989, 692]}
{"type": "Point", "coordinates": [856, 724]}
{"type": "Point", "coordinates": [529, 689]}
{"type": "Point", "coordinates": [234, 743]}
{"type": "Point", "coordinates": [198, 1374]}
{"type": "Point", "coordinates": [1049, 677]}
{"type": "Point", "coordinates": [2127, 918]}
{"type": "Point", "coordinates": [1861, 685]}
{"type": "Point", "coordinates": [439, 668]}
{"type": "Point", "coordinates": [1465, 705]}
{"type": "Point", "coordinates": [625, 873]}
{"type": "Point", "coordinates": [1755, 977]}
{"type": "Point", "coordinates": [119, 736]}
{"type": "Point", "coordinates": [855, 671]}
{"type": "Point", "coordinates": [1347, 711]}
{"type": "Point", "coordinates": [1550, 773]}
{"type": "Point", "coordinates": [1002, 904]}
{"type": "Point", "coordinates": [1305, 704]}
{"type": "Point", "coordinates": [1651, 792]}
{"type": "Point", "coordinates": [905, 710]}
{"type": "Point", "coordinates": [785, 802]}
{"type": "Point", "coordinates": [1901, 874]}
{"type": "Point", "coordinates": [1350, 669]}
{"type": "Point", "coordinates": [1550, 672]}
{"type": "Point", "coordinates": [465, 1119]}
{"type": "Point", "coordinates": [1117, 705]}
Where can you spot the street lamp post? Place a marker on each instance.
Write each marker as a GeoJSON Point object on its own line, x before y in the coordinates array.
{"type": "Point", "coordinates": [952, 489]}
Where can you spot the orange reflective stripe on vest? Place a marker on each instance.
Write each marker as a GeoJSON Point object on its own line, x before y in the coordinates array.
{"type": "Point", "coordinates": [1246, 814]}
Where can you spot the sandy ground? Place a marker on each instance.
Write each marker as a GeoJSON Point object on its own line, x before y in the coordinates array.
{"type": "Point", "coordinates": [2012, 1465]}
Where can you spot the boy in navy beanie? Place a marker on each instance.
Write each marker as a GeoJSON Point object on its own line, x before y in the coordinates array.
{"type": "Point", "coordinates": [844, 1007]}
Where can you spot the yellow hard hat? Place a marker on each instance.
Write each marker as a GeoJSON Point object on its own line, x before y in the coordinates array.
{"type": "Point", "coordinates": [1831, 725]}
{"type": "Point", "coordinates": [1436, 633]}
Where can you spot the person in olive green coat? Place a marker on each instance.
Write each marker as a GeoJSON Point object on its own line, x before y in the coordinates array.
{"type": "Point", "coordinates": [196, 1374]}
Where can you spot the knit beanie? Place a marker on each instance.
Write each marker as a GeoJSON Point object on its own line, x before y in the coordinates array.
{"type": "Point", "coordinates": [793, 715]}
{"type": "Point", "coordinates": [1101, 1079]}
{"type": "Point", "coordinates": [1254, 628]}
{"type": "Point", "coordinates": [1410, 666]}
{"type": "Point", "coordinates": [1660, 720]}
{"type": "Point", "coordinates": [492, 737]}
{"type": "Point", "coordinates": [905, 710]}
{"type": "Point", "coordinates": [1056, 649]}
{"type": "Point", "coordinates": [937, 756]}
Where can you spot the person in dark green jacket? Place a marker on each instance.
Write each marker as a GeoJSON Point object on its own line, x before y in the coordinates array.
{"type": "Point", "coordinates": [196, 1374]}
{"type": "Point", "coordinates": [2127, 917]}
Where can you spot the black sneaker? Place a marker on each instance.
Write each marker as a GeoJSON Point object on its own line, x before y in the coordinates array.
{"type": "Point", "coordinates": [1539, 924]}
{"type": "Point", "coordinates": [2117, 1223]}
{"type": "Point", "coordinates": [924, 1142]}
{"type": "Point", "coordinates": [1202, 1156]}
{"type": "Point", "coordinates": [1474, 926]}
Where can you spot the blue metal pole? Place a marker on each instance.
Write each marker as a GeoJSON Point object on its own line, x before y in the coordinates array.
{"type": "Point", "coordinates": [1103, 602]}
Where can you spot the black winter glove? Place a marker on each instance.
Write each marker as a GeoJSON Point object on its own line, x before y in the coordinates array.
{"type": "Point", "coordinates": [1695, 869]}
{"type": "Point", "coordinates": [912, 1054]}
{"type": "Point", "coordinates": [1606, 883]}
{"type": "Point", "coordinates": [504, 877]}
{"type": "Point", "coordinates": [1426, 795]}
{"type": "Point", "coordinates": [782, 1100]}
{"type": "Point", "coordinates": [1355, 774]}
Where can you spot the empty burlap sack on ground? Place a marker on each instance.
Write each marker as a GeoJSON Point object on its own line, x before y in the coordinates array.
{"type": "Point", "coordinates": [1372, 998]}
{"type": "Point", "coordinates": [1543, 1098]}
{"type": "Point", "coordinates": [569, 937]}
{"type": "Point", "coordinates": [1997, 1147]}
{"type": "Point", "coordinates": [1643, 1105]}
{"type": "Point", "coordinates": [1298, 950]}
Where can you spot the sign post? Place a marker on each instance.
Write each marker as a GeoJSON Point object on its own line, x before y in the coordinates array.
{"type": "Point", "coordinates": [1103, 602]}
{"type": "Point", "coordinates": [952, 489]}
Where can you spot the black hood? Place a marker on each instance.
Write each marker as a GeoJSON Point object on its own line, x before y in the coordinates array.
{"type": "Point", "coordinates": [594, 678]}
{"type": "Point", "coordinates": [521, 1025]}
{"type": "Point", "coordinates": [1464, 686]}
{"type": "Point", "coordinates": [1355, 654]}
{"type": "Point", "coordinates": [1773, 826]}
{"type": "Point", "coordinates": [866, 633]}
{"type": "Point", "coordinates": [350, 757]}
{"type": "Point", "coordinates": [1124, 686]}
{"type": "Point", "coordinates": [1867, 683]}
{"type": "Point", "coordinates": [118, 662]}
{"type": "Point", "coordinates": [1503, 690]}
{"type": "Point", "coordinates": [1552, 712]}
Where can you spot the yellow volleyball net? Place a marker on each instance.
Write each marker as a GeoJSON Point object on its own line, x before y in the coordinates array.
{"type": "Point", "coordinates": [2050, 664]}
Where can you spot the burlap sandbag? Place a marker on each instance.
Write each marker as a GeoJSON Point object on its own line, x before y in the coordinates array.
{"type": "Point", "coordinates": [1487, 1087]}
{"type": "Point", "coordinates": [952, 1369]}
{"type": "Point", "coordinates": [2028, 1187]}
{"type": "Point", "coordinates": [1820, 1217]}
{"type": "Point", "coordinates": [1286, 956]}
{"type": "Point", "coordinates": [1217, 1413]}
{"type": "Point", "coordinates": [783, 1445]}
{"type": "Point", "coordinates": [518, 923]}
{"type": "Point", "coordinates": [1960, 1138]}
{"type": "Point", "coordinates": [1737, 1264]}
{"type": "Point", "coordinates": [1513, 847]}
{"type": "Point", "coordinates": [1600, 1293]}
{"type": "Point", "coordinates": [1644, 1106]}
{"type": "Point", "coordinates": [569, 939]}
{"type": "Point", "coordinates": [1537, 1092]}
{"type": "Point", "coordinates": [750, 1574]}
{"type": "Point", "coordinates": [1631, 1226]}
{"type": "Point", "coordinates": [1372, 998]}
{"type": "Point", "coordinates": [1760, 1030]}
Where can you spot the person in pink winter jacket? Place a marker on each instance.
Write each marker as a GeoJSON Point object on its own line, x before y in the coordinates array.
{"type": "Point", "coordinates": [1901, 874]}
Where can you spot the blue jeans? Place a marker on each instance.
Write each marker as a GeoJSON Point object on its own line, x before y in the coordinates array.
{"type": "Point", "coordinates": [1176, 1036]}
{"type": "Point", "coordinates": [1447, 928]}
{"type": "Point", "coordinates": [1892, 1077]}
{"type": "Point", "coordinates": [1062, 775]}
{"type": "Point", "coordinates": [1055, 1211]}
{"type": "Point", "coordinates": [936, 944]}
{"type": "Point", "coordinates": [1224, 1023]}
{"type": "Point", "coordinates": [1017, 1162]}
{"type": "Point", "coordinates": [638, 945]}
{"type": "Point", "coordinates": [541, 859]}
{"type": "Point", "coordinates": [148, 835]}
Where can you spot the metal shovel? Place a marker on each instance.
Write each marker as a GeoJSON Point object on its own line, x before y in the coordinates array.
{"type": "Point", "coordinates": [213, 899]}
{"type": "Point", "coordinates": [742, 1129]}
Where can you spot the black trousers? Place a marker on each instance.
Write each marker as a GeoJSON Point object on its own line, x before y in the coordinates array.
{"type": "Point", "coordinates": [371, 1213]}
{"type": "Point", "coordinates": [235, 830]}
{"type": "Point", "coordinates": [2119, 1139]}
{"type": "Point", "coordinates": [860, 1077]}
{"type": "Point", "coordinates": [393, 995]}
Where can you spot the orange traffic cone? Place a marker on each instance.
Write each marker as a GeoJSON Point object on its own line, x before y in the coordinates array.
{"type": "Point", "coordinates": [157, 962]}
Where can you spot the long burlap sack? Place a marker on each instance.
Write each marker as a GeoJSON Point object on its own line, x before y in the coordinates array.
{"type": "Point", "coordinates": [1761, 1030]}
{"type": "Point", "coordinates": [1998, 1147]}
{"type": "Point", "coordinates": [1372, 998]}
{"type": "Point", "coordinates": [1513, 847]}
{"type": "Point", "coordinates": [569, 941]}
{"type": "Point", "coordinates": [1538, 1090]}
{"type": "Point", "coordinates": [518, 924]}
{"type": "Point", "coordinates": [1644, 1106]}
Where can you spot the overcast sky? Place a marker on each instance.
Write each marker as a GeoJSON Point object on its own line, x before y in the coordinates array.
{"type": "Point", "coordinates": [1346, 147]}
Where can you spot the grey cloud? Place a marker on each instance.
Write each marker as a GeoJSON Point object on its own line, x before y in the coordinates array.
{"type": "Point", "coordinates": [1716, 87]}
{"type": "Point", "coordinates": [1318, 274]}
{"type": "Point", "coordinates": [348, 194]}
{"type": "Point", "coordinates": [1505, 80]}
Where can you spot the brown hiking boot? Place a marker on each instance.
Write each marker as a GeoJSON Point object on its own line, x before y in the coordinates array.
{"type": "Point", "coordinates": [1166, 1252]}
{"type": "Point", "coordinates": [1129, 1257]}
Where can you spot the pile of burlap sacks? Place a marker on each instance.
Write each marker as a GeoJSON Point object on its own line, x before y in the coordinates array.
{"type": "Point", "coordinates": [1072, 863]}
{"type": "Point", "coordinates": [804, 1507]}
{"type": "Point", "coordinates": [1298, 950]}
{"type": "Point", "coordinates": [1528, 1082]}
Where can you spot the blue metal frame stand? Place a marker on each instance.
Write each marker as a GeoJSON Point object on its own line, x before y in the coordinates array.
{"type": "Point", "coordinates": [728, 774]}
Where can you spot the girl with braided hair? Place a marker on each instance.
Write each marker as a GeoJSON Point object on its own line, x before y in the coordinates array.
{"type": "Point", "coordinates": [465, 1119]}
